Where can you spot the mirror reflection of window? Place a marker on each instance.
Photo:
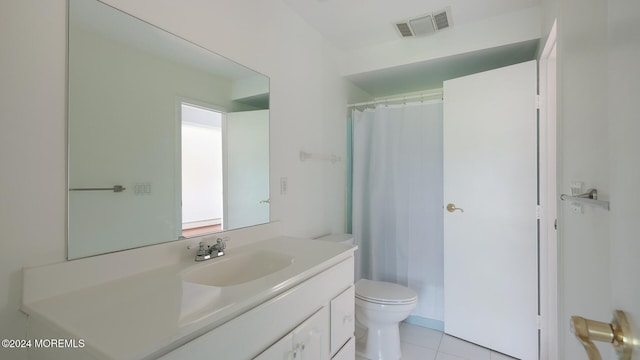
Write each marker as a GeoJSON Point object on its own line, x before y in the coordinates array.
{"type": "Point", "coordinates": [202, 188]}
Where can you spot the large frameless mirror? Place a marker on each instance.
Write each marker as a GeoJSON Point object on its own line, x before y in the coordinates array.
{"type": "Point", "coordinates": [166, 139]}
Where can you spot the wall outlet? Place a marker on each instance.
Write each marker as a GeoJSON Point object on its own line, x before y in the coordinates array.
{"type": "Point", "coordinates": [577, 188]}
{"type": "Point", "coordinates": [283, 185]}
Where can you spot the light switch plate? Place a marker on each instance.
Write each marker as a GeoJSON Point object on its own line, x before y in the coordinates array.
{"type": "Point", "coordinates": [577, 188]}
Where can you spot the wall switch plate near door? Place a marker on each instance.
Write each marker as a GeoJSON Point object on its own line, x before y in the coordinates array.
{"type": "Point", "coordinates": [577, 188]}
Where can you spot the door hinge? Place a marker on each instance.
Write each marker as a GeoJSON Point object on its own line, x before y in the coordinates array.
{"type": "Point", "coordinates": [539, 322]}
{"type": "Point", "coordinates": [538, 212]}
{"type": "Point", "coordinates": [538, 102]}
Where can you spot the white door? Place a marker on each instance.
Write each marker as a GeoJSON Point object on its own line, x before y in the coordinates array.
{"type": "Point", "coordinates": [490, 176]}
{"type": "Point", "coordinates": [246, 186]}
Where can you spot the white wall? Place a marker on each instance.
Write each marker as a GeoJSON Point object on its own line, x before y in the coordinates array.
{"type": "Point", "coordinates": [624, 129]}
{"type": "Point", "coordinates": [32, 149]}
{"type": "Point", "coordinates": [598, 47]}
{"type": "Point", "coordinates": [583, 146]}
{"type": "Point", "coordinates": [307, 113]}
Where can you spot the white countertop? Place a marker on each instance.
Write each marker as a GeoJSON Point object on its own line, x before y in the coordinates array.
{"type": "Point", "coordinates": [140, 316]}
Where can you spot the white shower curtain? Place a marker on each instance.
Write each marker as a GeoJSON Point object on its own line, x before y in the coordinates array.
{"type": "Point", "coordinates": [397, 199]}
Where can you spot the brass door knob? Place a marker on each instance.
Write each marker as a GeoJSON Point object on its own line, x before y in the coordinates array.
{"type": "Point", "coordinates": [617, 333]}
{"type": "Point", "coordinates": [452, 207]}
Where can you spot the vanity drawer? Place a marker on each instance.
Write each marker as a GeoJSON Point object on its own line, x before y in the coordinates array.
{"type": "Point", "coordinates": [342, 318]}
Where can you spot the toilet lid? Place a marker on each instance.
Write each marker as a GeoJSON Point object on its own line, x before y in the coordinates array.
{"type": "Point", "coordinates": [384, 292]}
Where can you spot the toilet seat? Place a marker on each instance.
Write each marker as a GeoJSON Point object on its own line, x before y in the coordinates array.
{"type": "Point", "coordinates": [384, 293]}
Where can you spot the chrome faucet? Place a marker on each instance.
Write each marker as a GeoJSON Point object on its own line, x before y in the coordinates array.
{"type": "Point", "coordinates": [206, 252]}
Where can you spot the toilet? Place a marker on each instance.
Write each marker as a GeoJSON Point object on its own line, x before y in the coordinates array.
{"type": "Point", "coordinates": [380, 306]}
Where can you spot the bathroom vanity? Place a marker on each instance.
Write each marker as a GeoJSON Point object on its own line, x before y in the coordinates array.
{"type": "Point", "coordinates": [274, 299]}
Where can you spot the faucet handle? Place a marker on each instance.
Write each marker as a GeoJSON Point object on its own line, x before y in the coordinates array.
{"type": "Point", "coordinates": [202, 249]}
{"type": "Point", "coordinates": [221, 244]}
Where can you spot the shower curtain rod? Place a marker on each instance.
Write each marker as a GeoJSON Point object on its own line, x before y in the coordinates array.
{"type": "Point", "coordinates": [422, 96]}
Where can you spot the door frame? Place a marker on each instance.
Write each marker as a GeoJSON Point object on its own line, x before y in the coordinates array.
{"type": "Point", "coordinates": [548, 261]}
{"type": "Point", "coordinates": [178, 102]}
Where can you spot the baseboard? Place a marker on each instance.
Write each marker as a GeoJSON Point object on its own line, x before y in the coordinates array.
{"type": "Point", "coordinates": [425, 322]}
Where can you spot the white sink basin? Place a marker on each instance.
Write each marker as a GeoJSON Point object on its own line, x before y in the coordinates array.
{"type": "Point", "coordinates": [238, 269]}
{"type": "Point", "coordinates": [203, 286]}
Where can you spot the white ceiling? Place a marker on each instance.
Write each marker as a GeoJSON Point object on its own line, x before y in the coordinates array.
{"type": "Point", "coordinates": [355, 24]}
{"type": "Point", "coordinates": [351, 24]}
{"type": "Point", "coordinates": [103, 19]}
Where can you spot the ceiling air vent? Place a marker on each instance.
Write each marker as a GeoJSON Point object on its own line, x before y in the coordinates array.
{"type": "Point", "coordinates": [441, 19]}
{"type": "Point", "coordinates": [404, 29]}
{"type": "Point", "coordinates": [426, 24]}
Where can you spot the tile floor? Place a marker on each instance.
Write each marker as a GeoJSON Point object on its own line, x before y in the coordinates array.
{"type": "Point", "coordinates": [419, 343]}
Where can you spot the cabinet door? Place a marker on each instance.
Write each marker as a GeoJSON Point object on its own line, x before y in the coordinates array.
{"type": "Point", "coordinates": [311, 338]}
{"type": "Point", "coordinates": [282, 350]}
{"type": "Point", "coordinates": [342, 319]}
